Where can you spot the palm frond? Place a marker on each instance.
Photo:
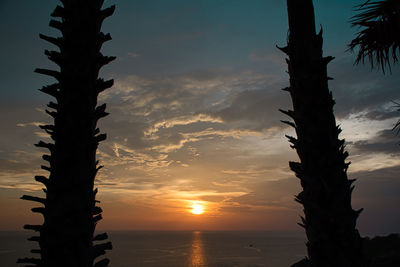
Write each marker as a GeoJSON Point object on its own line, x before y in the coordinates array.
{"type": "Point", "coordinates": [396, 127]}
{"type": "Point", "coordinates": [378, 40]}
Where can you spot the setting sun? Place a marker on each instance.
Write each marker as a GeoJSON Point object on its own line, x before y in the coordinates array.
{"type": "Point", "coordinates": [197, 209]}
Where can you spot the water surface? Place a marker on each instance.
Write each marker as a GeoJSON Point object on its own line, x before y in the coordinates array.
{"type": "Point", "coordinates": [183, 248]}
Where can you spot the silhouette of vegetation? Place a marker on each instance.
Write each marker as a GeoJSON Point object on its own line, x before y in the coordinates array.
{"type": "Point", "coordinates": [379, 43]}
{"type": "Point", "coordinates": [379, 40]}
{"type": "Point", "coordinates": [383, 251]}
{"type": "Point", "coordinates": [329, 219]}
{"type": "Point", "coordinates": [66, 237]}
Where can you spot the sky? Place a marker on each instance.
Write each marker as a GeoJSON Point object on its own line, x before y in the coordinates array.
{"type": "Point", "coordinates": [194, 116]}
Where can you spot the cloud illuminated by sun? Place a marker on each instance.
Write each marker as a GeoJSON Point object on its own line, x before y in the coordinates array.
{"type": "Point", "coordinates": [197, 208]}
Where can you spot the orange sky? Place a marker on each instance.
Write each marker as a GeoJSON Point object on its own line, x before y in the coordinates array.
{"type": "Point", "coordinates": [194, 117]}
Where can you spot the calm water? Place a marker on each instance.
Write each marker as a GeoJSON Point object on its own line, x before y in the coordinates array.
{"type": "Point", "coordinates": [183, 249]}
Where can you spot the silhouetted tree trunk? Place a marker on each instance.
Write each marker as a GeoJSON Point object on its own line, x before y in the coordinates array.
{"type": "Point", "coordinates": [329, 221]}
{"type": "Point", "coordinates": [69, 210]}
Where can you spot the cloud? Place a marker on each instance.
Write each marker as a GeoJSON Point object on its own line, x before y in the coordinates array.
{"type": "Point", "coordinates": [133, 54]}
{"type": "Point", "coordinates": [357, 89]}
{"type": "Point", "coordinates": [122, 155]}
{"type": "Point", "coordinates": [213, 136]}
{"type": "Point", "coordinates": [272, 193]}
{"type": "Point", "coordinates": [182, 120]}
{"type": "Point", "coordinates": [19, 171]}
{"type": "Point", "coordinates": [267, 56]}
{"type": "Point", "coordinates": [377, 192]}
{"type": "Point", "coordinates": [386, 141]}
{"type": "Point", "coordinates": [161, 114]}
{"type": "Point", "coordinates": [36, 124]}
{"type": "Point", "coordinates": [256, 109]}
{"type": "Point", "coordinates": [371, 143]}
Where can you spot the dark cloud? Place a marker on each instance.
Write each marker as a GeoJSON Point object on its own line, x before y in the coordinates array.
{"type": "Point", "coordinates": [120, 130]}
{"type": "Point", "coordinates": [194, 105]}
{"type": "Point", "coordinates": [279, 193]}
{"type": "Point", "coordinates": [165, 112]}
{"type": "Point", "coordinates": [212, 198]}
{"type": "Point", "coordinates": [385, 142]}
{"type": "Point", "coordinates": [19, 132]}
{"type": "Point", "coordinates": [381, 115]}
{"type": "Point", "coordinates": [15, 167]}
{"type": "Point", "coordinates": [377, 192]}
{"type": "Point", "coordinates": [259, 109]}
{"type": "Point", "coordinates": [235, 209]}
{"type": "Point", "coordinates": [357, 89]}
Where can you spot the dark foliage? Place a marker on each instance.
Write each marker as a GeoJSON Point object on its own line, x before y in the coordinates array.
{"type": "Point", "coordinates": [380, 251]}
{"type": "Point", "coordinates": [379, 37]}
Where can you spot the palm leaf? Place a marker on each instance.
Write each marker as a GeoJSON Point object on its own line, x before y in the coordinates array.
{"type": "Point", "coordinates": [396, 127]}
{"type": "Point", "coordinates": [378, 41]}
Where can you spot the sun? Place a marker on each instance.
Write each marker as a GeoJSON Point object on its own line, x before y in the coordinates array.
{"type": "Point", "coordinates": [197, 209]}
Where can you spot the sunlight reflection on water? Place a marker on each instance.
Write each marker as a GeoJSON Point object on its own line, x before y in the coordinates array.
{"type": "Point", "coordinates": [197, 258]}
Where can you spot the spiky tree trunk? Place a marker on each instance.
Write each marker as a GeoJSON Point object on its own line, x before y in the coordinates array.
{"type": "Point", "coordinates": [69, 210]}
{"type": "Point", "coordinates": [329, 221]}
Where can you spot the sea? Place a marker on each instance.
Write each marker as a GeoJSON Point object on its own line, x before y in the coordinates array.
{"type": "Point", "coordinates": [182, 248]}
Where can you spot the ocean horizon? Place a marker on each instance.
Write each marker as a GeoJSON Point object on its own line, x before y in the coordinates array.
{"type": "Point", "coordinates": [182, 248]}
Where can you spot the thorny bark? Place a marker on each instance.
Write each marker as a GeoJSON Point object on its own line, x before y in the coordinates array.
{"type": "Point", "coordinates": [329, 220]}
{"type": "Point", "coordinates": [69, 208]}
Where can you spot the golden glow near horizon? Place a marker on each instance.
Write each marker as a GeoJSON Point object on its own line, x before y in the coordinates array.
{"type": "Point", "coordinates": [201, 128]}
{"type": "Point", "coordinates": [197, 208]}
{"type": "Point", "coordinates": [197, 254]}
